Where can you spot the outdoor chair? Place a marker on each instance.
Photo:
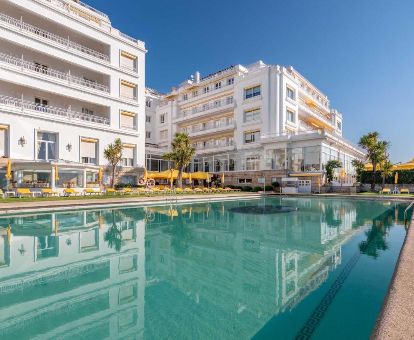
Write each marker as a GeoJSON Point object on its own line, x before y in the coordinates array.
{"type": "Point", "coordinates": [24, 192]}
{"type": "Point", "coordinates": [48, 192]}
{"type": "Point", "coordinates": [91, 191]}
{"type": "Point", "coordinates": [385, 191]}
{"type": "Point", "coordinates": [71, 192]}
{"type": "Point", "coordinates": [405, 191]}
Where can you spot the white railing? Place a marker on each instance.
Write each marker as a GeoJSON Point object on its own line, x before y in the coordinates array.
{"type": "Point", "coordinates": [210, 126]}
{"type": "Point", "coordinates": [22, 26]}
{"type": "Point", "coordinates": [285, 134]}
{"type": "Point", "coordinates": [211, 105]}
{"type": "Point", "coordinates": [64, 5]}
{"type": "Point", "coordinates": [212, 145]}
{"type": "Point", "coordinates": [27, 65]}
{"type": "Point", "coordinates": [24, 105]}
{"type": "Point", "coordinates": [201, 92]}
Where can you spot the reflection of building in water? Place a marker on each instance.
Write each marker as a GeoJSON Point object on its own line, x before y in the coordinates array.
{"type": "Point", "coordinates": [60, 275]}
{"type": "Point", "coordinates": [239, 270]}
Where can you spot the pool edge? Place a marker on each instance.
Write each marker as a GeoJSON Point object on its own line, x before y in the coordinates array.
{"type": "Point", "coordinates": [395, 320]}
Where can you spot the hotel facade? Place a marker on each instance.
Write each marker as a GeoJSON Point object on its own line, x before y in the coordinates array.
{"type": "Point", "coordinates": [255, 123]}
{"type": "Point", "coordinates": [70, 84]}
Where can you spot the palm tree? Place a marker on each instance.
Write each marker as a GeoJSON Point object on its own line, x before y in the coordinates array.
{"type": "Point", "coordinates": [182, 153]}
{"type": "Point", "coordinates": [359, 168]}
{"type": "Point", "coordinates": [376, 152]}
{"type": "Point", "coordinates": [386, 170]}
{"type": "Point", "coordinates": [330, 167]}
{"type": "Point", "coordinates": [113, 153]}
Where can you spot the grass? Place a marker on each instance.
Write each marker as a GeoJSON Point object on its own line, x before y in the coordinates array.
{"type": "Point", "coordinates": [100, 197]}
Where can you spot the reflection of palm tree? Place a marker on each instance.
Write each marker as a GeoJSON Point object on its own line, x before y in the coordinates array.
{"type": "Point", "coordinates": [330, 217]}
{"type": "Point", "coordinates": [114, 235]}
{"type": "Point", "coordinates": [181, 235]}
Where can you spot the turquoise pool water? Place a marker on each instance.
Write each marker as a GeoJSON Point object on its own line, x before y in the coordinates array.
{"type": "Point", "coordinates": [227, 270]}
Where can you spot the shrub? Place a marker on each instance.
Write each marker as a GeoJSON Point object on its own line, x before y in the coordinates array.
{"type": "Point", "coordinates": [257, 189]}
{"type": "Point", "coordinates": [246, 188]}
{"type": "Point", "coordinates": [275, 184]}
{"type": "Point", "coordinates": [268, 188]}
{"type": "Point", "coordinates": [404, 177]}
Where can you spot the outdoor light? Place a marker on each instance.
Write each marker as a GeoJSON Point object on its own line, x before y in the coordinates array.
{"type": "Point", "coordinates": [69, 147]}
{"type": "Point", "coordinates": [22, 141]}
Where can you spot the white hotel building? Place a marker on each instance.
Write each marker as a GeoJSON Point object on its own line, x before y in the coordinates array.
{"type": "Point", "coordinates": [70, 84]}
{"type": "Point", "coordinates": [251, 122]}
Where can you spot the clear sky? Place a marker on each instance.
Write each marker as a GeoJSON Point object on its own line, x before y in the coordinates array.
{"type": "Point", "coordinates": [359, 52]}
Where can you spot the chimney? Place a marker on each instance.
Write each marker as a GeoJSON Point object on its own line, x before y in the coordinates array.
{"type": "Point", "coordinates": [197, 77]}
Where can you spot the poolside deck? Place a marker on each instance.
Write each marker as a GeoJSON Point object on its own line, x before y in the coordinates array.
{"type": "Point", "coordinates": [396, 319]}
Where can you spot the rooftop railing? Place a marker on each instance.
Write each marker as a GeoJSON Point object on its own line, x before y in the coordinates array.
{"type": "Point", "coordinates": [27, 65]}
{"type": "Point", "coordinates": [64, 42]}
{"type": "Point", "coordinates": [25, 106]}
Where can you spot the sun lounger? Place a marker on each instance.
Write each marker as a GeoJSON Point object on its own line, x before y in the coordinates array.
{"type": "Point", "coordinates": [24, 192]}
{"type": "Point", "coordinates": [1, 193]}
{"type": "Point", "coordinates": [48, 192]}
{"type": "Point", "coordinates": [91, 191]}
{"type": "Point", "coordinates": [405, 191]}
{"type": "Point", "coordinates": [385, 191]}
{"type": "Point", "coordinates": [71, 192]}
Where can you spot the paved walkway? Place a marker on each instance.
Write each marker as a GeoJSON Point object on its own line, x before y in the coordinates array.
{"type": "Point", "coordinates": [397, 317]}
{"type": "Point", "coordinates": [118, 201]}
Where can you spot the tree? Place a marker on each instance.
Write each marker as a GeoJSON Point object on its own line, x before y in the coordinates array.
{"type": "Point", "coordinates": [113, 154]}
{"type": "Point", "coordinates": [182, 153]}
{"type": "Point", "coordinates": [359, 168]}
{"type": "Point", "coordinates": [386, 170]}
{"type": "Point", "coordinates": [330, 167]}
{"type": "Point", "coordinates": [376, 152]}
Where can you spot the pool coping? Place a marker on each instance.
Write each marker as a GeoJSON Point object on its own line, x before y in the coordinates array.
{"type": "Point", "coordinates": [396, 318]}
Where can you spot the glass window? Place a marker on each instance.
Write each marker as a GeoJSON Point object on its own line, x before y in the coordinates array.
{"type": "Point", "coordinates": [217, 85]}
{"type": "Point", "coordinates": [147, 134]}
{"type": "Point", "coordinates": [339, 125]}
{"type": "Point", "coordinates": [162, 118]}
{"type": "Point", "coordinates": [252, 92]}
{"type": "Point", "coordinates": [128, 90]}
{"type": "Point", "coordinates": [195, 93]}
{"type": "Point", "coordinates": [3, 141]}
{"type": "Point", "coordinates": [89, 150]}
{"type": "Point", "coordinates": [128, 61]}
{"type": "Point", "coordinates": [163, 134]}
{"type": "Point", "coordinates": [290, 116]}
{"type": "Point", "coordinates": [251, 115]}
{"type": "Point", "coordinates": [230, 81]}
{"type": "Point", "coordinates": [229, 100]}
{"type": "Point", "coordinates": [185, 96]}
{"type": "Point", "coordinates": [296, 160]}
{"type": "Point", "coordinates": [251, 136]}
{"type": "Point", "coordinates": [128, 120]}
{"type": "Point", "coordinates": [253, 163]}
{"type": "Point", "coordinates": [206, 89]}
{"type": "Point", "coordinates": [128, 156]}
{"type": "Point", "coordinates": [275, 159]}
{"type": "Point", "coordinates": [148, 119]}
{"type": "Point", "coordinates": [290, 93]}
{"type": "Point", "coordinates": [46, 145]}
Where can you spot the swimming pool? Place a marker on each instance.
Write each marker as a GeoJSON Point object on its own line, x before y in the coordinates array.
{"type": "Point", "coordinates": [316, 268]}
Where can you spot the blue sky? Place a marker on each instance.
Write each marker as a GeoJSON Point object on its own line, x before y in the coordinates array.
{"type": "Point", "coordinates": [359, 52]}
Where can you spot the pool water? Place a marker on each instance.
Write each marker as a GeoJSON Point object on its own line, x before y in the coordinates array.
{"type": "Point", "coordinates": [274, 268]}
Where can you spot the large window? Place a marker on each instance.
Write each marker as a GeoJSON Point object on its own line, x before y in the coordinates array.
{"type": "Point", "coordinates": [128, 61]}
{"type": "Point", "coordinates": [3, 140]}
{"type": "Point", "coordinates": [46, 146]}
{"type": "Point", "coordinates": [275, 159]}
{"type": "Point", "coordinates": [128, 90]}
{"type": "Point", "coordinates": [253, 163]}
{"type": "Point", "coordinates": [251, 136]}
{"type": "Point", "coordinates": [163, 134]}
{"type": "Point", "coordinates": [251, 115]}
{"type": "Point", "coordinates": [252, 92]}
{"type": "Point", "coordinates": [89, 150]}
{"type": "Point", "coordinates": [128, 120]}
{"type": "Point", "coordinates": [128, 155]}
{"type": "Point", "coordinates": [162, 118]}
{"type": "Point", "coordinates": [290, 116]}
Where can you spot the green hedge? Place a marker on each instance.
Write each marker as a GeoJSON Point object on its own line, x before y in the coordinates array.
{"type": "Point", "coordinates": [404, 177]}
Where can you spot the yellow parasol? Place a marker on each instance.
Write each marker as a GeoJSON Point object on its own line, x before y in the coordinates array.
{"type": "Point", "coordinates": [222, 178]}
{"type": "Point", "coordinates": [100, 175]}
{"type": "Point", "coordinates": [8, 174]}
{"type": "Point", "coordinates": [9, 234]}
{"type": "Point", "coordinates": [396, 178]}
{"type": "Point", "coordinates": [172, 176]}
{"type": "Point", "coordinates": [145, 175]}
{"type": "Point", "coordinates": [56, 170]}
{"type": "Point", "coordinates": [190, 179]}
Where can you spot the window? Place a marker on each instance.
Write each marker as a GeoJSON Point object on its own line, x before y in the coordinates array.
{"type": "Point", "coordinates": [251, 136]}
{"type": "Point", "coordinates": [229, 100]}
{"type": "Point", "coordinates": [252, 92]}
{"type": "Point", "coordinates": [206, 89]}
{"type": "Point", "coordinates": [128, 155]}
{"type": "Point", "coordinates": [290, 93]}
{"type": "Point", "coordinates": [253, 163]}
{"type": "Point", "coordinates": [128, 120]}
{"type": "Point", "coordinates": [185, 96]}
{"type": "Point", "coordinates": [217, 103]}
{"type": "Point", "coordinates": [148, 103]}
{"type": "Point", "coordinates": [290, 116]}
{"type": "Point", "coordinates": [87, 111]}
{"type": "Point", "coordinates": [46, 145]}
{"type": "Point", "coordinates": [147, 134]}
{"type": "Point", "coordinates": [163, 134]}
{"type": "Point", "coordinates": [252, 115]}
{"type": "Point", "coordinates": [206, 107]}
{"type": "Point", "coordinates": [88, 150]}
{"type": "Point", "coordinates": [3, 140]}
{"type": "Point", "coordinates": [128, 61]}
{"type": "Point", "coordinates": [148, 119]}
{"type": "Point", "coordinates": [339, 125]}
{"type": "Point", "coordinates": [217, 85]}
{"type": "Point", "coordinates": [162, 118]}
{"type": "Point", "coordinates": [128, 90]}
{"type": "Point", "coordinates": [195, 93]}
{"type": "Point", "coordinates": [245, 180]}
{"type": "Point", "coordinates": [230, 81]}
{"type": "Point", "coordinates": [41, 104]}
{"type": "Point", "coordinates": [41, 68]}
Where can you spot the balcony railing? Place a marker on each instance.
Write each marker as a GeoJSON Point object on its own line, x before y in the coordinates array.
{"type": "Point", "coordinates": [209, 126]}
{"type": "Point", "coordinates": [213, 105]}
{"type": "Point", "coordinates": [24, 106]}
{"type": "Point", "coordinates": [64, 42]}
{"type": "Point", "coordinates": [212, 145]}
{"type": "Point", "coordinates": [290, 134]}
{"type": "Point", "coordinates": [27, 65]}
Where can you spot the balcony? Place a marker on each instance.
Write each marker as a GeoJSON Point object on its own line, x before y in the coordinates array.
{"type": "Point", "coordinates": [24, 65]}
{"type": "Point", "coordinates": [201, 94]}
{"type": "Point", "coordinates": [66, 43]}
{"type": "Point", "coordinates": [213, 147]}
{"type": "Point", "coordinates": [199, 111]}
{"type": "Point", "coordinates": [31, 107]}
{"type": "Point", "coordinates": [277, 137]}
{"type": "Point", "coordinates": [210, 127]}
{"type": "Point", "coordinates": [315, 116]}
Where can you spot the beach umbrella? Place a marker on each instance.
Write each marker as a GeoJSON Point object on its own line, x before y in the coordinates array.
{"type": "Point", "coordinates": [9, 234]}
{"type": "Point", "coordinates": [145, 174]}
{"type": "Point", "coordinates": [55, 169]}
{"type": "Point", "coordinates": [396, 178]}
{"type": "Point", "coordinates": [9, 170]}
{"type": "Point", "coordinates": [100, 175]}
{"type": "Point", "coordinates": [190, 179]}
{"type": "Point", "coordinates": [222, 178]}
{"type": "Point", "coordinates": [171, 177]}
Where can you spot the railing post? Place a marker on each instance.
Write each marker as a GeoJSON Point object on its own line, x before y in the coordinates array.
{"type": "Point", "coordinates": [22, 100]}
{"type": "Point", "coordinates": [21, 23]}
{"type": "Point", "coordinates": [69, 77]}
{"type": "Point", "coordinates": [69, 109]}
{"type": "Point", "coordinates": [21, 66]}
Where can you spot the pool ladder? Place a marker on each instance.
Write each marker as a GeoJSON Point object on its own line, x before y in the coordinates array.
{"type": "Point", "coordinates": [406, 211]}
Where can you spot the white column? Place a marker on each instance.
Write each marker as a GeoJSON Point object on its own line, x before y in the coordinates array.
{"type": "Point", "coordinates": [84, 178]}
{"type": "Point", "coordinates": [52, 179]}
